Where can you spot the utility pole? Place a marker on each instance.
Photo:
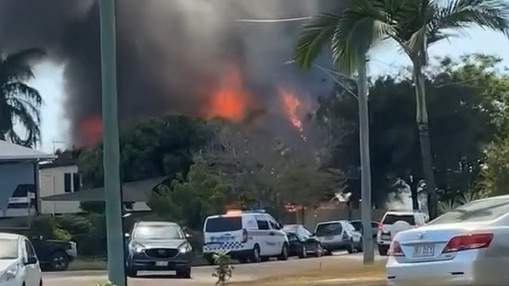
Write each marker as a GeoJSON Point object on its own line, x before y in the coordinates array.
{"type": "Point", "coordinates": [111, 152]}
{"type": "Point", "coordinates": [362, 96]}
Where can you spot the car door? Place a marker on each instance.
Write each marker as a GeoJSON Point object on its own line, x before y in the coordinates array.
{"type": "Point", "coordinates": [265, 236]}
{"type": "Point", "coordinates": [278, 236]}
{"type": "Point", "coordinates": [355, 235]}
{"type": "Point", "coordinates": [33, 272]}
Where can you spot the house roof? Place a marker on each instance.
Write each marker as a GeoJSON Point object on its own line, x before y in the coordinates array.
{"type": "Point", "coordinates": [13, 152]}
{"type": "Point", "coordinates": [138, 191]}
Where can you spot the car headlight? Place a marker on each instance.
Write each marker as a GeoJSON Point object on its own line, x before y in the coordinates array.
{"type": "Point", "coordinates": [10, 273]}
{"type": "Point", "coordinates": [186, 248]}
{"type": "Point", "coordinates": [136, 247]}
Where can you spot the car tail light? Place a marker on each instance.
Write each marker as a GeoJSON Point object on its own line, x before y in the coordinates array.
{"type": "Point", "coordinates": [395, 249]}
{"type": "Point", "coordinates": [380, 225]}
{"type": "Point", "coordinates": [468, 241]}
{"type": "Point", "coordinates": [244, 236]}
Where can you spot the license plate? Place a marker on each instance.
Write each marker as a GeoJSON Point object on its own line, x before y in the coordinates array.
{"type": "Point", "coordinates": [386, 236]}
{"type": "Point", "coordinates": [426, 250]}
{"type": "Point", "coordinates": [161, 263]}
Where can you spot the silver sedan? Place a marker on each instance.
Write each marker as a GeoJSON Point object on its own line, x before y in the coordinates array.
{"type": "Point", "coordinates": [466, 246]}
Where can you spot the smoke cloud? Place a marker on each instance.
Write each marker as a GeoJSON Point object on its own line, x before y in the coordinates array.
{"type": "Point", "coordinates": [170, 52]}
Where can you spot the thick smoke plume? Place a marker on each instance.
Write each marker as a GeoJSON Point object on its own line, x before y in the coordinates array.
{"type": "Point", "coordinates": [171, 53]}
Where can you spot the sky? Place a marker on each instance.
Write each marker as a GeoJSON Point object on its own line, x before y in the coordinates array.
{"type": "Point", "coordinates": [386, 60]}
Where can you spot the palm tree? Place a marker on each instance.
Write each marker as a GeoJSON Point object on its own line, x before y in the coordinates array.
{"type": "Point", "coordinates": [421, 23]}
{"type": "Point", "coordinates": [350, 34]}
{"type": "Point", "coordinates": [19, 103]}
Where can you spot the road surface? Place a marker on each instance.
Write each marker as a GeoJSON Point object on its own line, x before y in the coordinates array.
{"type": "Point", "coordinates": [201, 275]}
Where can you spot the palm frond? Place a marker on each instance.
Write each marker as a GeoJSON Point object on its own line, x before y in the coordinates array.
{"type": "Point", "coordinates": [17, 66]}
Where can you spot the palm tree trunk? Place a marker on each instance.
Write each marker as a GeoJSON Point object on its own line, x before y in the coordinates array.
{"type": "Point", "coordinates": [423, 127]}
{"type": "Point", "coordinates": [362, 93]}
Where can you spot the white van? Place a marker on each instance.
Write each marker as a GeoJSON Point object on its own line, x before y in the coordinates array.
{"type": "Point", "coordinates": [246, 235]}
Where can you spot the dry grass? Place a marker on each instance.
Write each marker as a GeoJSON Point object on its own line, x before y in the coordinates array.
{"type": "Point", "coordinates": [352, 273]}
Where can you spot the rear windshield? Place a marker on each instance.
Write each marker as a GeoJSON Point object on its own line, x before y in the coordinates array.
{"type": "Point", "coordinates": [357, 225]}
{"type": "Point", "coordinates": [328, 229]}
{"type": "Point", "coordinates": [392, 218]}
{"type": "Point", "coordinates": [476, 211]}
{"type": "Point", "coordinates": [223, 224]}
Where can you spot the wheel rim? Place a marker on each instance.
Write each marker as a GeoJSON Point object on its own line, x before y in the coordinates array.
{"type": "Point", "coordinates": [58, 262]}
{"type": "Point", "coordinates": [285, 251]}
{"type": "Point", "coordinates": [256, 254]}
{"type": "Point", "coordinates": [304, 251]}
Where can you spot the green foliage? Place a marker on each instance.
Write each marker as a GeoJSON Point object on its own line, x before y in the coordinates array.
{"type": "Point", "coordinates": [450, 204]}
{"type": "Point", "coordinates": [19, 102]}
{"type": "Point", "coordinates": [192, 198]}
{"type": "Point", "coordinates": [149, 148]}
{"type": "Point", "coordinates": [49, 228]}
{"type": "Point", "coordinates": [224, 270]}
{"type": "Point", "coordinates": [494, 177]}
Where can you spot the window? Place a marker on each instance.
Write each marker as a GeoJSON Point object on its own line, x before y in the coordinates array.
{"type": "Point", "coordinates": [329, 229]}
{"type": "Point", "coordinates": [274, 225]}
{"type": "Point", "coordinates": [262, 223]}
{"type": "Point", "coordinates": [30, 249]}
{"type": "Point", "coordinates": [390, 219]}
{"type": "Point", "coordinates": [223, 224]}
{"type": "Point", "coordinates": [76, 182]}
{"type": "Point", "coordinates": [158, 231]}
{"type": "Point", "coordinates": [476, 211]}
{"type": "Point", "coordinates": [67, 183]}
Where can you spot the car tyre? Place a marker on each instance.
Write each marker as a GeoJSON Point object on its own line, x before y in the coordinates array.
{"type": "Point", "coordinates": [284, 253]}
{"type": "Point", "coordinates": [59, 261]}
{"type": "Point", "coordinates": [382, 250]}
{"type": "Point", "coordinates": [360, 247]}
{"type": "Point", "coordinates": [243, 260]}
{"type": "Point", "coordinates": [351, 248]}
{"type": "Point", "coordinates": [303, 251]}
{"type": "Point", "coordinates": [131, 272]}
{"type": "Point", "coordinates": [210, 259]}
{"type": "Point", "coordinates": [255, 256]}
{"type": "Point", "coordinates": [185, 273]}
{"type": "Point", "coordinates": [319, 250]}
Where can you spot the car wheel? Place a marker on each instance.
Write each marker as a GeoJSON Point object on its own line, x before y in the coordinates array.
{"type": "Point", "coordinates": [319, 250]}
{"type": "Point", "coordinates": [303, 251]}
{"type": "Point", "coordinates": [351, 248]}
{"type": "Point", "coordinates": [382, 250]}
{"type": "Point", "coordinates": [360, 247]}
{"type": "Point", "coordinates": [59, 261]}
{"type": "Point", "coordinates": [255, 256]}
{"type": "Point", "coordinates": [210, 259]}
{"type": "Point", "coordinates": [131, 272]}
{"type": "Point", "coordinates": [243, 260]}
{"type": "Point", "coordinates": [185, 273]}
{"type": "Point", "coordinates": [284, 253]}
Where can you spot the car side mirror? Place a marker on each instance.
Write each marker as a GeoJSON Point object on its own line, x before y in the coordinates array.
{"type": "Point", "coordinates": [31, 260]}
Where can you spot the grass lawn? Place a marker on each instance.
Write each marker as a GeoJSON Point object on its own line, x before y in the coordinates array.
{"type": "Point", "coordinates": [339, 273]}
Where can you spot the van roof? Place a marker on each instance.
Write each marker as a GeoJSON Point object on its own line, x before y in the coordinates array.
{"type": "Point", "coordinates": [332, 221]}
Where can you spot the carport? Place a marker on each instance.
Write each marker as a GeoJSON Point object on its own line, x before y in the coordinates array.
{"type": "Point", "coordinates": [19, 183]}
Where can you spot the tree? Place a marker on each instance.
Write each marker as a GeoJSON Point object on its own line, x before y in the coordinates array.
{"type": "Point", "coordinates": [421, 23]}
{"type": "Point", "coordinates": [19, 102]}
{"type": "Point", "coordinates": [189, 200]}
{"type": "Point", "coordinates": [351, 35]}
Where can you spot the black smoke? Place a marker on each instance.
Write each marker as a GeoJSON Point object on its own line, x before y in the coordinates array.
{"type": "Point", "coordinates": [169, 51]}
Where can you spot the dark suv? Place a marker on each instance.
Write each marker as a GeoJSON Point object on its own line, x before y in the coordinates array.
{"type": "Point", "coordinates": [158, 246]}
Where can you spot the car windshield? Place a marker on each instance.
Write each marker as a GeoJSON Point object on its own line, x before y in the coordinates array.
{"type": "Point", "coordinates": [357, 225]}
{"type": "Point", "coordinates": [290, 228]}
{"type": "Point", "coordinates": [476, 211]}
{"type": "Point", "coordinates": [156, 232]}
{"type": "Point", "coordinates": [223, 224]}
{"type": "Point", "coordinates": [390, 219]}
{"type": "Point", "coordinates": [328, 229]}
{"type": "Point", "coordinates": [8, 248]}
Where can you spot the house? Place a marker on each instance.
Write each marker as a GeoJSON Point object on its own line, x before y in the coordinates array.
{"type": "Point", "coordinates": [19, 182]}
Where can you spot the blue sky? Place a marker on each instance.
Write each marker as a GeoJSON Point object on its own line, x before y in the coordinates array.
{"type": "Point", "coordinates": [49, 78]}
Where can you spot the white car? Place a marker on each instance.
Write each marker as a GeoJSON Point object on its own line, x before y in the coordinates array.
{"type": "Point", "coordinates": [394, 222]}
{"type": "Point", "coordinates": [19, 265]}
{"type": "Point", "coordinates": [338, 235]}
{"type": "Point", "coordinates": [466, 246]}
{"type": "Point", "coordinates": [246, 235]}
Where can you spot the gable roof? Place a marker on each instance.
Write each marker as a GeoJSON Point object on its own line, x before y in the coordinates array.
{"type": "Point", "coordinates": [13, 152]}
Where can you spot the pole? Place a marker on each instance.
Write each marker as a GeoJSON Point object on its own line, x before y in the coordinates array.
{"type": "Point", "coordinates": [111, 160]}
{"type": "Point", "coordinates": [367, 236]}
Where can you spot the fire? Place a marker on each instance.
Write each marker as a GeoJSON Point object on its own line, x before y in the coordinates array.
{"type": "Point", "coordinates": [90, 130]}
{"type": "Point", "coordinates": [230, 100]}
{"type": "Point", "coordinates": [291, 106]}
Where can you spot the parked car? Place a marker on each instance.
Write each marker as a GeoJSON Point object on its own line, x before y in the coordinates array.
{"type": "Point", "coordinates": [246, 235]}
{"type": "Point", "coordinates": [18, 261]}
{"type": "Point", "coordinates": [357, 224]}
{"type": "Point", "coordinates": [338, 235]}
{"type": "Point", "coordinates": [394, 222]}
{"type": "Point", "coordinates": [301, 242]}
{"type": "Point", "coordinates": [465, 246]}
{"type": "Point", "coordinates": [54, 255]}
{"type": "Point", "coordinates": [158, 246]}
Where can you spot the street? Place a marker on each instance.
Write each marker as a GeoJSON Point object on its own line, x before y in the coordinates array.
{"type": "Point", "coordinates": [201, 275]}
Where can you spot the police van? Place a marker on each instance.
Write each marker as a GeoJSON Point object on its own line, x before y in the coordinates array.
{"type": "Point", "coordinates": [252, 236]}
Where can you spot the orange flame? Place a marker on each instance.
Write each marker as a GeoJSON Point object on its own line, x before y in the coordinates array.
{"type": "Point", "coordinates": [230, 100]}
{"type": "Point", "coordinates": [291, 106]}
{"type": "Point", "coordinates": [90, 130]}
